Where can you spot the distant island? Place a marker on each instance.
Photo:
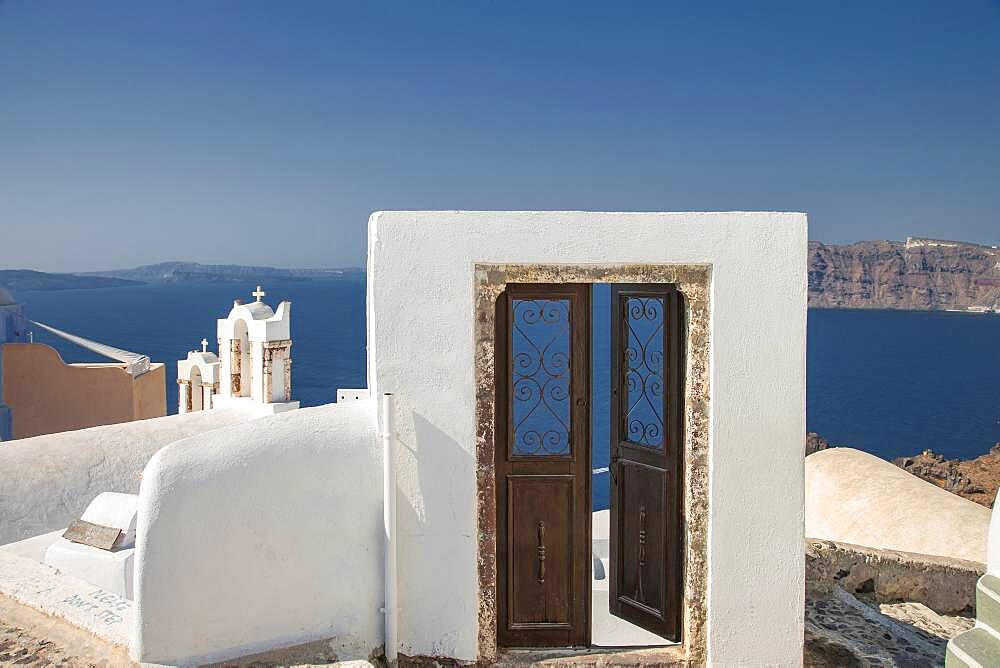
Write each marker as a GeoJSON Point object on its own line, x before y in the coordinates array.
{"type": "Point", "coordinates": [27, 279]}
{"type": "Point", "coordinates": [165, 272]}
{"type": "Point", "coordinates": [915, 275]}
{"type": "Point", "coordinates": [178, 272]}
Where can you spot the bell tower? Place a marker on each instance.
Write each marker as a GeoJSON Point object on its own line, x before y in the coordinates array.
{"type": "Point", "coordinates": [255, 356]}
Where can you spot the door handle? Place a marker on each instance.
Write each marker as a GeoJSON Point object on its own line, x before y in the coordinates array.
{"type": "Point", "coordinates": [540, 552]}
{"type": "Point", "coordinates": [639, 595]}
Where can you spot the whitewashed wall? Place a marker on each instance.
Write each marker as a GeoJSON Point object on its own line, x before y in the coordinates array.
{"type": "Point", "coordinates": [420, 347]}
{"type": "Point", "coordinates": [993, 540]}
{"type": "Point", "coordinates": [47, 481]}
{"type": "Point", "coordinates": [262, 535]}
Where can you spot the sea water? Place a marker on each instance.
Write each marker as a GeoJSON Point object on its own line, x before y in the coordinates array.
{"type": "Point", "coordinates": [888, 382]}
{"type": "Point", "coordinates": [166, 320]}
{"type": "Point", "coordinates": [896, 382]}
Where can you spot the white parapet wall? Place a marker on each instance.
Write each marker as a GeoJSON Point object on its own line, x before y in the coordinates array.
{"type": "Point", "coordinates": [422, 348]}
{"type": "Point", "coordinates": [857, 498]}
{"type": "Point", "coordinates": [993, 541]}
{"type": "Point", "coordinates": [47, 481]}
{"type": "Point", "coordinates": [262, 535]}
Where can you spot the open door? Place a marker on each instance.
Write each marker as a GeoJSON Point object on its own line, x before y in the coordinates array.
{"type": "Point", "coordinates": [543, 465]}
{"type": "Point", "coordinates": [646, 446]}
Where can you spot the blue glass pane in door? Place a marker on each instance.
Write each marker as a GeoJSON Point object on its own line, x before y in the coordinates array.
{"type": "Point", "coordinates": [643, 366]}
{"type": "Point", "coordinates": [540, 376]}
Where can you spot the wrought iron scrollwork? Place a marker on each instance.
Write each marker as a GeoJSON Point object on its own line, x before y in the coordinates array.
{"type": "Point", "coordinates": [541, 376]}
{"type": "Point", "coordinates": [643, 365]}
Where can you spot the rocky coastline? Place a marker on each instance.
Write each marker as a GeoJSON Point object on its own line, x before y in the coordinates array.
{"type": "Point", "coordinates": [974, 479]}
{"type": "Point", "coordinates": [815, 443]}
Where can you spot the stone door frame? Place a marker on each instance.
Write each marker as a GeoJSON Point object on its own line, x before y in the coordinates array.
{"type": "Point", "coordinates": [694, 283]}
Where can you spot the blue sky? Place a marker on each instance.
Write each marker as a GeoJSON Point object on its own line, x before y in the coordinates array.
{"type": "Point", "coordinates": [266, 132]}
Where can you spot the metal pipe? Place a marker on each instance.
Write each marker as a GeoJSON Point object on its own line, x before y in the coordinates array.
{"type": "Point", "coordinates": [135, 364]}
{"type": "Point", "coordinates": [389, 523]}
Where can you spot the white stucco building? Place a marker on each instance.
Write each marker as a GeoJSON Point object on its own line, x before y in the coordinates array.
{"type": "Point", "coordinates": [447, 520]}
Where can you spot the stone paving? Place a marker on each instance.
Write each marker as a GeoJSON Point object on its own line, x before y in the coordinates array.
{"type": "Point", "coordinates": [842, 630]}
{"type": "Point", "coordinates": [19, 647]}
{"type": "Point", "coordinates": [32, 638]}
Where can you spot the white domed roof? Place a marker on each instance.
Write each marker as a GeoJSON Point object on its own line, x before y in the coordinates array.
{"type": "Point", "coordinates": [259, 310]}
{"type": "Point", "coordinates": [858, 498]}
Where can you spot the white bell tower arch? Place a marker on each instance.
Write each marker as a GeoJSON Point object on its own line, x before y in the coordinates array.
{"type": "Point", "coordinates": [255, 360]}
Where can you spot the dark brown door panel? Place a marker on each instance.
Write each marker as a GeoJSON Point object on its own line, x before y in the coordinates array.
{"type": "Point", "coordinates": [646, 444]}
{"type": "Point", "coordinates": [540, 511]}
{"type": "Point", "coordinates": [642, 539]}
{"type": "Point", "coordinates": [543, 465]}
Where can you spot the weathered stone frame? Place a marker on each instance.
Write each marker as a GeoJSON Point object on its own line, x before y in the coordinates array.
{"type": "Point", "coordinates": [693, 281]}
{"type": "Point", "coordinates": [236, 366]}
{"type": "Point", "coordinates": [273, 350]}
{"type": "Point", "coordinates": [208, 401]}
{"type": "Point", "coordinates": [184, 400]}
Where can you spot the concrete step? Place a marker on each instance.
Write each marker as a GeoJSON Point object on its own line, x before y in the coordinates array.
{"type": "Point", "coordinates": [976, 648]}
{"type": "Point", "coordinates": [988, 602]}
{"type": "Point", "coordinates": [602, 547]}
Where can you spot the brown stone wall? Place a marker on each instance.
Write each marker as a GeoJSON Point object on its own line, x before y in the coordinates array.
{"type": "Point", "coordinates": [946, 586]}
{"type": "Point", "coordinates": [46, 395]}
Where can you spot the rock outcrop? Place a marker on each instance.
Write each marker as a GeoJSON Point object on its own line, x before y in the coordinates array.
{"type": "Point", "coordinates": [916, 274]}
{"type": "Point", "coordinates": [975, 479]}
{"type": "Point", "coordinates": [815, 443]}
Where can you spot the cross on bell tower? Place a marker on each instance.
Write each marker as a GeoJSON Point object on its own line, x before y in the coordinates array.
{"type": "Point", "coordinates": [204, 345]}
{"type": "Point", "coordinates": [258, 293]}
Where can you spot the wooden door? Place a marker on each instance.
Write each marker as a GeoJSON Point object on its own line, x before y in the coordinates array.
{"type": "Point", "coordinates": [646, 446]}
{"type": "Point", "coordinates": [543, 465]}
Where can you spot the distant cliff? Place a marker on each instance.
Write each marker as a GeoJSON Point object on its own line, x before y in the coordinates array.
{"type": "Point", "coordinates": [916, 274]}
{"type": "Point", "coordinates": [27, 279]}
{"type": "Point", "coordinates": [177, 272]}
